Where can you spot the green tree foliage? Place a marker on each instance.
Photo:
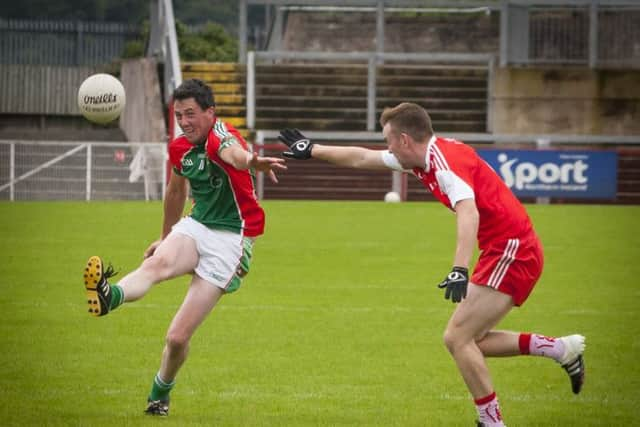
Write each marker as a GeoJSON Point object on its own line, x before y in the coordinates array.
{"type": "Point", "coordinates": [212, 43]}
{"type": "Point", "coordinates": [137, 48]}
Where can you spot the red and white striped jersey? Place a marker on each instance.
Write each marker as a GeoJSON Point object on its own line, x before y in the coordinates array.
{"type": "Point", "coordinates": [223, 196]}
{"type": "Point", "coordinates": [454, 172]}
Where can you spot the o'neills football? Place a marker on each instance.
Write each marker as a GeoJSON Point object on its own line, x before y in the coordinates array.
{"type": "Point", "coordinates": [101, 98]}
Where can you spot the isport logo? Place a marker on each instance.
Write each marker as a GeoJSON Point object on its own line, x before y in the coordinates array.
{"type": "Point", "coordinates": [553, 173]}
{"type": "Point", "coordinates": [566, 175]}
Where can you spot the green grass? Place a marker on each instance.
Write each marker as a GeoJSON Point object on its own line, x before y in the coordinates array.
{"type": "Point", "coordinates": [339, 322]}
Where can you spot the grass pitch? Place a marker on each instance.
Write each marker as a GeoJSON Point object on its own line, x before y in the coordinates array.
{"type": "Point", "coordinates": [339, 322]}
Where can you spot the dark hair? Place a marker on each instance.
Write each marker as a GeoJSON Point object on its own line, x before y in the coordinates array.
{"type": "Point", "coordinates": [408, 118]}
{"type": "Point", "coordinates": [198, 90]}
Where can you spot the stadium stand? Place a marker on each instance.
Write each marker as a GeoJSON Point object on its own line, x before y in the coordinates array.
{"type": "Point", "coordinates": [228, 83]}
{"type": "Point", "coordinates": [334, 97]}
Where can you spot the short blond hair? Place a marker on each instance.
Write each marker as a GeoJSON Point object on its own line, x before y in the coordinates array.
{"type": "Point", "coordinates": [408, 118]}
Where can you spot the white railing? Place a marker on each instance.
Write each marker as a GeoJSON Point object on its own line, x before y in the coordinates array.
{"type": "Point", "coordinates": [61, 170]}
{"type": "Point", "coordinates": [372, 59]}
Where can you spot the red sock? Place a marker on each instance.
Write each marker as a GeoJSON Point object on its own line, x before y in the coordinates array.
{"type": "Point", "coordinates": [524, 342]}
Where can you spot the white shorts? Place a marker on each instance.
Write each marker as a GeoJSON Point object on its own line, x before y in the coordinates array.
{"type": "Point", "coordinates": [224, 255]}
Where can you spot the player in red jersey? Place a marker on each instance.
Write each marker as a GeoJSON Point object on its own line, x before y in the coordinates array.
{"type": "Point", "coordinates": [488, 213]}
{"type": "Point", "coordinates": [213, 243]}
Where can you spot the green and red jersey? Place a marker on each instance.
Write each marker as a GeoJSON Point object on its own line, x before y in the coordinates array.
{"type": "Point", "coordinates": [223, 196]}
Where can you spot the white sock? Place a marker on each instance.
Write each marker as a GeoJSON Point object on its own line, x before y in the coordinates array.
{"type": "Point", "coordinates": [546, 346]}
{"type": "Point", "coordinates": [489, 411]}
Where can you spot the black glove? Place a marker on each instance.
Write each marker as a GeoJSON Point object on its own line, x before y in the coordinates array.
{"type": "Point", "coordinates": [456, 284]}
{"type": "Point", "coordinates": [299, 145]}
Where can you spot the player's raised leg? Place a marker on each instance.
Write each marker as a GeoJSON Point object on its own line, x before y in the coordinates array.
{"type": "Point", "coordinates": [176, 255]}
{"type": "Point", "coordinates": [567, 350]}
{"type": "Point", "coordinates": [200, 300]}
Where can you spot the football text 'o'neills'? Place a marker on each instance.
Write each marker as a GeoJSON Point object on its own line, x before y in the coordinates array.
{"type": "Point", "coordinates": [104, 98]}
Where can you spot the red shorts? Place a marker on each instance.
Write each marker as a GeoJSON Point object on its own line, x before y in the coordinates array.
{"type": "Point", "coordinates": [512, 267]}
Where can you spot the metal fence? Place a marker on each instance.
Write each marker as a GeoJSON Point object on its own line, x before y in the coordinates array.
{"type": "Point", "coordinates": [34, 170]}
{"type": "Point", "coordinates": [600, 34]}
{"type": "Point", "coordinates": [597, 33]}
{"type": "Point", "coordinates": [66, 43]}
{"type": "Point", "coordinates": [41, 89]}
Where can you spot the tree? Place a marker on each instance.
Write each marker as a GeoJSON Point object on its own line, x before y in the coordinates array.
{"type": "Point", "coordinates": [212, 44]}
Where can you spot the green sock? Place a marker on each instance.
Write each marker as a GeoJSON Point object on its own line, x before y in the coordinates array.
{"type": "Point", "coordinates": [117, 297]}
{"type": "Point", "coordinates": [160, 389]}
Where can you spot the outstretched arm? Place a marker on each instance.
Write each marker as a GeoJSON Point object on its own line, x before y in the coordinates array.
{"type": "Point", "coordinates": [352, 157]}
{"type": "Point", "coordinates": [241, 159]}
{"type": "Point", "coordinates": [302, 148]}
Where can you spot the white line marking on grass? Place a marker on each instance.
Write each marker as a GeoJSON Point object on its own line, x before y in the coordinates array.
{"type": "Point", "coordinates": [582, 312]}
{"type": "Point", "coordinates": [324, 309]}
{"type": "Point", "coordinates": [542, 397]}
{"type": "Point", "coordinates": [586, 312]}
{"type": "Point", "coordinates": [273, 307]}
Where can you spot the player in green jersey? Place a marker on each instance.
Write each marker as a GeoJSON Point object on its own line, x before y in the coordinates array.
{"type": "Point", "coordinates": [213, 243]}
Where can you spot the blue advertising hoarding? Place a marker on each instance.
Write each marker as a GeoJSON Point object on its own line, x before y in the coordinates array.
{"type": "Point", "coordinates": [554, 173]}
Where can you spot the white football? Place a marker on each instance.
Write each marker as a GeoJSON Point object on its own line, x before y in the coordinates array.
{"type": "Point", "coordinates": [392, 197]}
{"type": "Point", "coordinates": [101, 98]}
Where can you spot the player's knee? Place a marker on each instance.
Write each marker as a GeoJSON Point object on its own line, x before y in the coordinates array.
{"type": "Point", "coordinates": [158, 266]}
{"type": "Point", "coordinates": [177, 341]}
{"type": "Point", "coordinates": [449, 340]}
{"type": "Point", "coordinates": [453, 340]}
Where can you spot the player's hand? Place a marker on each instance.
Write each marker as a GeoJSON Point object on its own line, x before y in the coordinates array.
{"type": "Point", "coordinates": [267, 164]}
{"type": "Point", "coordinates": [152, 248]}
{"type": "Point", "coordinates": [455, 284]}
{"type": "Point", "coordinates": [299, 145]}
